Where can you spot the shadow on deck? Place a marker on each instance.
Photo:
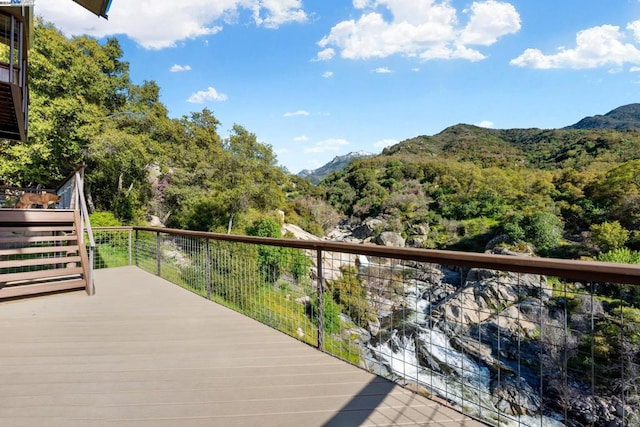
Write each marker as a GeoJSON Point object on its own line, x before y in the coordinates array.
{"type": "Point", "coordinates": [144, 352]}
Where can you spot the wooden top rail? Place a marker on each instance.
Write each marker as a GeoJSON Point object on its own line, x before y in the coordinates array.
{"type": "Point", "coordinates": [577, 270]}
{"type": "Point", "coordinates": [20, 216]}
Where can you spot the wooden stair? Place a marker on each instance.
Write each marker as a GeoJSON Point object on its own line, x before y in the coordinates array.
{"type": "Point", "coordinates": [41, 251]}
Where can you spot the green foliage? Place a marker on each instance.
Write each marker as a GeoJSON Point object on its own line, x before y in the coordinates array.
{"type": "Point", "coordinates": [616, 345]}
{"type": "Point", "coordinates": [265, 227]}
{"type": "Point", "coordinates": [543, 229]}
{"type": "Point", "coordinates": [74, 84]}
{"type": "Point", "coordinates": [620, 192]}
{"type": "Point", "coordinates": [609, 236]}
{"type": "Point", "coordinates": [104, 219]}
{"type": "Point", "coordinates": [621, 255]}
{"type": "Point", "coordinates": [300, 264]}
{"type": "Point", "coordinates": [349, 292]}
{"type": "Point", "coordinates": [225, 179]}
{"type": "Point", "coordinates": [331, 313]}
{"type": "Point", "coordinates": [271, 259]}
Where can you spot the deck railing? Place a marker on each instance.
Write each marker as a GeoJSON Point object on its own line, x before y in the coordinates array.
{"type": "Point", "coordinates": [71, 193]}
{"type": "Point", "coordinates": [505, 338]}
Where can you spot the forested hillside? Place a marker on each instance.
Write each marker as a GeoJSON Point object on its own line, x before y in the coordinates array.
{"type": "Point", "coordinates": [624, 117]}
{"type": "Point", "coordinates": [569, 192]}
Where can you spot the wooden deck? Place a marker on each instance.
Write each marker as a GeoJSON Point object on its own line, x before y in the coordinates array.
{"type": "Point", "coordinates": [144, 352]}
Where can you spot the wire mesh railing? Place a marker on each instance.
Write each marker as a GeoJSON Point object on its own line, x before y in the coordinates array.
{"type": "Point", "coordinates": [510, 340]}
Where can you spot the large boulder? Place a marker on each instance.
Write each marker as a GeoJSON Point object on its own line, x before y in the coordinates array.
{"type": "Point", "coordinates": [420, 229]}
{"type": "Point", "coordinates": [390, 239]}
{"type": "Point", "coordinates": [515, 396]}
{"type": "Point", "coordinates": [368, 228]}
{"type": "Point", "coordinates": [486, 293]}
{"type": "Point", "coordinates": [416, 242]}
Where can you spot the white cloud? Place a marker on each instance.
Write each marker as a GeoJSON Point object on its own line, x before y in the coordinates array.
{"type": "Point", "coordinates": [273, 13]}
{"type": "Point", "coordinates": [176, 68]}
{"type": "Point", "coordinates": [360, 4]}
{"type": "Point", "coordinates": [382, 70]}
{"type": "Point", "coordinates": [634, 27]}
{"type": "Point", "coordinates": [424, 29]}
{"type": "Point", "coordinates": [326, 54]}
{"type": "Point", "coordinates": [489, 21]}
{"type": "Point", "coordinates": [162, 23]}
{"type": "Point", "coordinates": [385, 143]}
{"type": "Point", "coordinates": [332, 144]}
{"type": "Point", "coordinates": [605, 45]}
{"type": "Point", "coordinates": [486, 124]}
{"type": "Point", "coordinates": [296, 113]}
{"type": "Point", "coordinates": [415, 69]}
{"type": "Point", "coordinates": [327, 74]}
{"type": "Point", "coordinates": [204, 96]}
{"type": "Point", "coordinates": [634, 69]}
{"type": "Point", "coordinates": [301, 138]}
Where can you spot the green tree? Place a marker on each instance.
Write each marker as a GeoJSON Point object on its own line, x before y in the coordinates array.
{"type": "Point", "coordinates": [619, 192]}
{"type": "Point", "coordinates": [609, 236]}
{"type": "Point", "coordinates": [250, 177]}
{"type": "Point", "coordinates": [272, 260]}
{"type": "Point", "coordinates": [74, 84]}
{"type": "Point", "coordinates": [350, 293]}
{"type": "Point", "coordinates": [543, 229]}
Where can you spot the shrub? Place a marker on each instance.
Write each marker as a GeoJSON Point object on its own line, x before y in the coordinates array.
{"type": "Point", "coordinates": [609, 236]}
{"type": "Point", "coordinates": [104, 219]}
{"type": "Point", "coordinates": [543, 229]}
{"type": "Point", "coordinates": [349, 292]}
{"type": "Point", "coordinates": [622, 256]}
{"type": "Point", "coordinates": [331, 313]}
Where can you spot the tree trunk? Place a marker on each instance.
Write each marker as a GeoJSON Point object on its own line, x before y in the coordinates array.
{"type": "Point", "coordinates": [230, 223]}
{"type": "Point", "coordinates": [90, 205]}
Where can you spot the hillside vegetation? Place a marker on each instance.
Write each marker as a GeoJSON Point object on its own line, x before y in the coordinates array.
{"type": "Point", "coordinates": [467, 185]}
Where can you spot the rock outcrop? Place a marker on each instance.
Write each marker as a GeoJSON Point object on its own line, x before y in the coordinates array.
{"type": "Point", "coordinates": [390, 239]}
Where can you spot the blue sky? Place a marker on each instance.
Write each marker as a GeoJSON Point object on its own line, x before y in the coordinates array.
{"type": "Point", "coordinates": [321, 78]}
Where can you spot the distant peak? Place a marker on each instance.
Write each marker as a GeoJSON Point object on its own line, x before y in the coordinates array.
{"type": "Point", "coordinates": [351, 155]}
{"type": "Point", "coordinates": [621, 118]}
{"type": "Point", "coordinates": [336, 165]}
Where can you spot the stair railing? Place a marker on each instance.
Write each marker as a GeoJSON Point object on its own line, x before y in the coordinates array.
{"type": "Point", "coordinates": [71, 193]}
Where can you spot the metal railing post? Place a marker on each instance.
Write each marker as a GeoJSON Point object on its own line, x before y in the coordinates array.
{"type": "Point", "coordinates": [91, 262]}
{"type": "Point", "coordinates": [130, 245]}
{"type": "Point", "coordinates": [137, 250]}
{"type": "Point", "coordinates": [320, 301]}
{"type": "Point", "coordinates": [207, 266]}
{"type": "Point", "coordinates": [158, 253]}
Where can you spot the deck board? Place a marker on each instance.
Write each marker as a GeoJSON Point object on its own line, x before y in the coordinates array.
{"type": "Point", "coordinates": [143, 352]}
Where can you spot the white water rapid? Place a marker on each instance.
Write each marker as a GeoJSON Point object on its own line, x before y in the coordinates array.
{"type": "Point", "coordinates": [461, 380]}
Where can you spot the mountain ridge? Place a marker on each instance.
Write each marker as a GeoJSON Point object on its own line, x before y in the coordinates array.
{"type": "Point", "coordinates": [576, 144]}
{"type": "Point", "coordinates": [624, 117]}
